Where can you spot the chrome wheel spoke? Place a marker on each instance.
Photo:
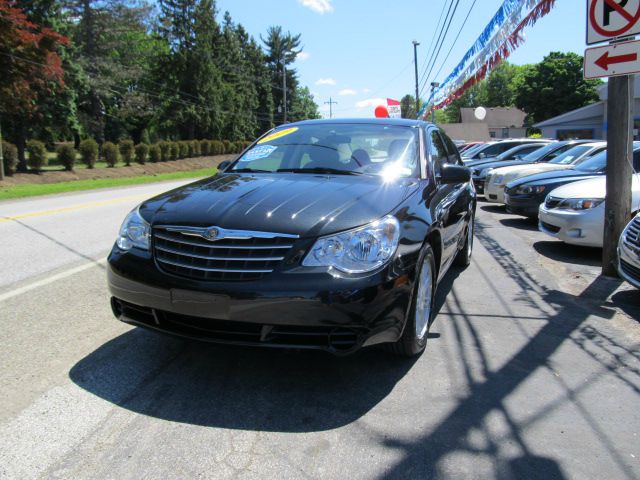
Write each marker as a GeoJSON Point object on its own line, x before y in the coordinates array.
{"type": "Point", "coordinates": [423, 299]}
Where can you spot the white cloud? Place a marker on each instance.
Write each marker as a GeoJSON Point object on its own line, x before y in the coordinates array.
{"type": "Point", "coordinates": [346, 92]}
{"type": "Point", "coordinates": [366, 90]}
{"type": "Point", "coordinates": [326, 81]}
{"type": "Point", "coordinates": [371, 102]}
{"type": "Point", "coordinates": [302, 56]}
{"type": "Point", "coordinates": [318, 6]}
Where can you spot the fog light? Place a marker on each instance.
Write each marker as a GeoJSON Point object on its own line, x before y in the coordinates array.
{"type": "Point", "coordinates": [575, 233]}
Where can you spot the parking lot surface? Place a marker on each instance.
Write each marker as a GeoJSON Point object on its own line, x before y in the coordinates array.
{"type": "Point", "coordinates": [532, 370]}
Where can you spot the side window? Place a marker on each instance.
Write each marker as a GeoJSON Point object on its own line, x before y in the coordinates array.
{"type": "Point", "coordinates": [636, 161]}
{"type": "Point", "coordinates": [437, 151]}
{"type": "Point", "coordinates": [454, 154]}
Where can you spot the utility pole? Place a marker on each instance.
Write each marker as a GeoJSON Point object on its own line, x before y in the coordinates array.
{"type": "Point", "coordinates": [415, 62]}
{"type": "Point", "coordinates": [617, 206]}
{"type": "Point", "coordinates": [331, 103]}
{"type": "Point", "coordinates": [1, 154]}
{"type": "Point", "coordinates": [284, 91]}
{"type": "Point", "coordinates": [434, 85]}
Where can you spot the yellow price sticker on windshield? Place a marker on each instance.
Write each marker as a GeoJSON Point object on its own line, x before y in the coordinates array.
{"type": "Point", "coordinates": [278, 134]}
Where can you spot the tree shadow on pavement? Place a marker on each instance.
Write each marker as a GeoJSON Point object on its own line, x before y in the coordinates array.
{"type": "Point", "coordinates": [489, 389]}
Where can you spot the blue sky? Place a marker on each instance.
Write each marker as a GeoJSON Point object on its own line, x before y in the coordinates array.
{"type": "Point", "coordinates": [356, 51]}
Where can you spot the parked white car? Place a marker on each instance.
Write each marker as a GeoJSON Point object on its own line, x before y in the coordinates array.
{"type": "Point", "coordinates": [629, 252]}
{"type": "Point", "coordinates": [499, 177]}
{"type": "Point", "coordinates": [574, 213]}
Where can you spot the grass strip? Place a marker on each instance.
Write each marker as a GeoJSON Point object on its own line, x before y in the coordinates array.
{"type": "Point", "coordinates": [32, 190]}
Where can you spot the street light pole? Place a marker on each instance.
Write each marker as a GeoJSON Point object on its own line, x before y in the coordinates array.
{"type": "Point", "coordinates": [1, 154]}
{"type": "Point", "coordinates": [284, 91]}
{"type": "Point", "coordinates": [415, 62]}
{"type": "Point", "coordinates": [434, 85]}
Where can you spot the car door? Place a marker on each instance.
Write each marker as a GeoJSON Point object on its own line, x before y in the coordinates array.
{"type": "Point", "coordinates": [445, 200]}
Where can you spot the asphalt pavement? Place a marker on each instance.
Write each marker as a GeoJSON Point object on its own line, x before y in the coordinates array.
{"type": "Point", "coordinates": [532, 370]}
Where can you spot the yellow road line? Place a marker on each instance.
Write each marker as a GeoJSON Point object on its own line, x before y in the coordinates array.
{"type": "Point", "coordinates": [74, 208]}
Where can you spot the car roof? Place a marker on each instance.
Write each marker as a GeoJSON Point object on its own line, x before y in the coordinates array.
{"type": "Point", "coordinates": [403, 122]}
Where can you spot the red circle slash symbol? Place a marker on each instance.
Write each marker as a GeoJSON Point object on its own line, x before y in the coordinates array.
{"type": "Point", "coordinates": [617, 7]}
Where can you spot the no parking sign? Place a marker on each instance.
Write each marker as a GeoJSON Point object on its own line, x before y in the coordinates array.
{"type": "Point", "coordinates": [609, 19]}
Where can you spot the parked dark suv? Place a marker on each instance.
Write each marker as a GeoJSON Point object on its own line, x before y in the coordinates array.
{"type": "Point", "coordinates": [325, 234]}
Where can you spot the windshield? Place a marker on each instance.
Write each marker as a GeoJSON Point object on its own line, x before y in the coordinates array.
{"type": "Point", "coordinates": [471, 150]}
{"type": "Point", "coordinates": [571, 155]}
{"type": "Point", "coordinates": [540, 153]}
{"type": "Point", "coordinates": [521, 150]}
{"type": "Point", "coordinates": [594, 164]}
{"type": "Point", "coordinates": [349, 149]}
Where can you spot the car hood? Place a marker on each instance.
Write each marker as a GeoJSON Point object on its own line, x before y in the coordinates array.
{"type": "Point", "coordinates": [494, 164]}
{"type": "Point", "coordinates": [517, 171]}
{"type": "Point", "coordinates": [593, 188]}
{"type": "Point", "coordinates": [302, 204]}
{"type": "Point", "coordinates": [567, 175]}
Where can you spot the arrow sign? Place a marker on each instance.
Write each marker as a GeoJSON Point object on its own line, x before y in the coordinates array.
{"type": "Point", "coordinates": [612, 60]}
{"type": "Point", "coordinates": [605, 60]}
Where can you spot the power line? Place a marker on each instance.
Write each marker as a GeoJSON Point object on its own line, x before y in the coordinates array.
{"type": "Point", "coordinates": [331, 102]}
{"type": "Point", "coordinates": [439, 29]}
{"type": "Point", "coordinates": [456, 39]}
{"type": "Point", "coordinates": [433, 37]}
{"type": "Point", "coordinates": [435, 58]}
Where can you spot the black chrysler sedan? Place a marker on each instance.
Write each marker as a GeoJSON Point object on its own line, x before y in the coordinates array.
{"type": "Point", "coordinates": [323, 234]}
{"type": "Point", "coordinates": [524, 195]}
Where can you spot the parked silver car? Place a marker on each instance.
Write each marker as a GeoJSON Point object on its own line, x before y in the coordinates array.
{"type": "Point", "coordinates": [629, 252]}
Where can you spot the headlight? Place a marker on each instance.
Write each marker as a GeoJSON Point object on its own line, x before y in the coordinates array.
{"type": "Point", "coordinates": [357, 251]}
{"type": "Point", "coordinates": [497, 179]}
{"type": "Point", "coordinates": [134, 232]}
{"type": "Point", "coordinates": [529, 189]}
{"type": "Point", "coordinates": [580, 203]}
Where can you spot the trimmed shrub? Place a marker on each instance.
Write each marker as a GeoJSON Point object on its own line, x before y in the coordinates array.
{"type": "Point", "coordinates": [165, 151]}
{"type": "Point", "coordinates": [194, 148]}
{"type": "Point", "coordinates": [66, 156]}
{"type": "Point", "coordinates": [192, 152]}
{"type": "Point", "coordinates": [10, 155]}
{"type": "Point", "coordinates": [37, 154]}
{"type": "Point", "coordinates": [142, 150]}
{"type": "Point", "coordinates": [217, 147]}
{"type": "Point", "coordinates": [204, 147]}
{"type": "Point", "coordinates": [184, 149]}
{"type": "Point", "coordinates": [174, 151]}
{"type": "Point", "coordinates": [228, 146]}
{"type": "Point", "coordinates": [126, 151]}
{"type": "Point", "coordinates": [154, 153]}
{"type": "Point", "coordinates": [89, 152]}
{"type": "Point", "coordinates": [110, 153]}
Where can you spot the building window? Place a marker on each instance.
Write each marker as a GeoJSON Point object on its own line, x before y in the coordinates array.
{"type": "Point", "coordinates": [505, 133]}
{"type": "Point", "coordinates": [582, 133]}
{"type": "Point", "coordinates": [492, 134]}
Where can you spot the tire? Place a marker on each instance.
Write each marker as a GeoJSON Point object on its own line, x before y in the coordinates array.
{"type": "Point", "coordinates": [413, 343]}
{"type": "Point", "coordinates": [463, 258]}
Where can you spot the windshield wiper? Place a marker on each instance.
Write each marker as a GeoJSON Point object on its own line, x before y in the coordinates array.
{"type": "Point", "coordinates": [335, 171]}
{"type": "Point", "coordinates": [249, 170]}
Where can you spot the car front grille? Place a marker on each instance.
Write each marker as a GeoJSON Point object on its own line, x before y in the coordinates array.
{"type": "Point", "coordinates": [236, 256]}
{"type": "Point", "coordinates": [630, 270]}
{"type": "Point", "coordinates": [632, 234]}
{"type": "Point", "coordinates": [551, 202]}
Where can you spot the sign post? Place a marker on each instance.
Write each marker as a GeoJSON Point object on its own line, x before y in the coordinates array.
{"type": "Point", "coordinates": [616, 22]}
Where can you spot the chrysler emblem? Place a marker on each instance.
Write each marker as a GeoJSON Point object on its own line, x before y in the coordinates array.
{"type": "Point", "coordinates": [211, 233]}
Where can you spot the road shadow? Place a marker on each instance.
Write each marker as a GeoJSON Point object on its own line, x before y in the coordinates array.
{"type": "Point", "coordinates": [521, 223]}
{"type": "Point", "coordinates": [242, 388]}
{"type": "Point", "coordinates": [494, 208]}
{"type": "Point", "coordinates": [629, 302]}
{"type": "Point", "coordinates": [562, 252]}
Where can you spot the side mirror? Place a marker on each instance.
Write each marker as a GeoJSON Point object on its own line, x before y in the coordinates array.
{"type": "Point", "coordinates": [224, 165]}
{"type": "Point", "coordinates": [454, 174]}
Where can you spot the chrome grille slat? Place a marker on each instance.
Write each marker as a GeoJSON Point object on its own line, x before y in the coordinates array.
{"type": "Point", "coordinates": [228, 270]}
{"type": "Point", "coordinates": [632, 235]}
{"type": "Point", "coordinates": [240, 257]}
{"type": "Point", "coordinates": [229, 259]}
{"type": "Point", "coordinates": [206, 244]}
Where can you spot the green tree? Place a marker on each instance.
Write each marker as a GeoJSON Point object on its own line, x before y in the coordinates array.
{"type": "Point", "coordinates": [554, 86]}
{"type": "Point", "coordinates": [408, 107]}
{"type": "Point", "coordinates": [282, 50]}
{"type": "Point", "coordinates": [303, 106]}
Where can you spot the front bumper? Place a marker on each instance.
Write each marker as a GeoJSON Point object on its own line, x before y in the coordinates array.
{"type": "Point", "coordinates": [525, 205]}
{"type": "Point", "coordinates": [629, 264]}
{"type": "Point", "coordinates": [293, 309]}
{"type": "Point", "coordinates": [584, 228]}
{"type": "Point", "coordinates": [494, 192]}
